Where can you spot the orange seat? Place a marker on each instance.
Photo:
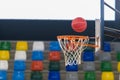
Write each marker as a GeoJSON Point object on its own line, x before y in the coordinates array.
{"type": "Point", "coordinates": [37, 66]}
{"type": "Point", "coordinates": [54, 56]}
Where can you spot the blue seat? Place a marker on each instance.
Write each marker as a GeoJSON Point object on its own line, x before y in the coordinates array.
{"type": "Point", "coordinates": [54, 46]}
{"type": "Point", "coordinates": [54, 75]}
{"type": "Point", "coordinates": [88, 56]}
{"type": "Point", "coordinates": [3, 75]}
{"type": "Point", "coordinates": [37, 55]}
{"type": "Point", "coordinates": [72, 68]}
{"type": "Point", "coordinates": [18, 75]}
{"type": "Point", "coordinates": [19, 65]}
{"type": "Point", "coordinates": [107, 47]}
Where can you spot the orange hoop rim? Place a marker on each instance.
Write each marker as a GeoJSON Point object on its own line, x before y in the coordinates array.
{"type": "Point", "coordinates": [70, 37]}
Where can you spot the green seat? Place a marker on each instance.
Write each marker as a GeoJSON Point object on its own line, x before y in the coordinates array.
{"type": "Point", "coordinates": [106, 66]}
{"type": "Point", "coordinates": [54, 66]}
{"type": "Point", "coordinates": [36, 75]}
{"type": "Point", "coordinates": [90, 75]}
{"type": "Point", "coordinates": [118, 56]}
{"type": "Point", "coordinates": [5, 45]}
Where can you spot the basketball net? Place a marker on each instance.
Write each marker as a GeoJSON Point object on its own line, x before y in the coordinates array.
{"type": "Point", "coordinates": [72, 47]}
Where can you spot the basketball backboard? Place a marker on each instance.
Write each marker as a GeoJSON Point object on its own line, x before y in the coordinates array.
{"type": "Point", "coordinates": [97, 35]}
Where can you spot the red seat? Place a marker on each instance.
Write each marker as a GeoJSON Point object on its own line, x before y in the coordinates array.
{"type": "Point", "coordinates": [37, 66]}
{"type": "Point", "coordinates": [54, 56]}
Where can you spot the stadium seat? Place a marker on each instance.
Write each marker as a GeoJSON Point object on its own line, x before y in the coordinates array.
{"type": "Point", "coordinates": [19, 65]}
{"type": "Point", "coordinates": [72, 68]}
{"type": "Point", "coordinates": [20, 55]}
{"type": "Point", "coordinates": [38, 46]}
{"type": "Point", "coordinates": [5, 45]}
{"type": "Point", "coordinates": [105, 56]}
{"type": "Point", "coordinates": [36, 75]}
{"type": "Point", "coordinates": [18, 75]}
{"type": "Point", "coordinates": [54, 66]}
{"type": "Point", "coordinates": [90, 75]}
{"type": "Point", "coordinates": [54, 75]}
{"type": "Point", "coordinates": [88, 56]}
{"type": "Point", "coordinates": [118, 55]}
{"type": "Point", "coordinates": [4, 55]}
{"type": "Point", "coordinates": [118, 66]}
{"type": "Point", "coordinates": [71, 76]}
{"type": "Point", "coordinates": [37, 65]}
{"type": "Point", "coordinates": [4, 65]}
{"type": "Point", "coordinates": [3, 75]}
{"type": "Point", "coordinates": [54, 56]}
{"type": "Point", "coordinates": [37, 55]}
{"type": "Point", "coordinates": [22, 45]}
{"type": "Point", "coordinates": [89, 66]}
{"type": "Point", "coordinates": [54, 46]}
{"type": "Point", "coordinates": [107, 76]}
{"type": "Point", "coordinates": [106, 66]}
{"type": "Point", "coordinates": [107, 47]}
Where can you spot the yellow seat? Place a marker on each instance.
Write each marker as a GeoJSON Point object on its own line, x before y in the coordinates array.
{"type": "Point", "coordinates": [4, 55]}
{"type": "Point", "coordinates": [118, 67]}
{"type": "Point", "coordinates": [107, 76]}
{"type": "Point", "coordinates": [22, 45]}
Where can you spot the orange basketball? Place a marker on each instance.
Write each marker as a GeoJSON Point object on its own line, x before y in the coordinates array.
{"type": "Point", "coordinates": [79, 24]}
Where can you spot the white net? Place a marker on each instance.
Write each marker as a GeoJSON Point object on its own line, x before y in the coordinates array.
{"type": "Point", "coordinates": [72, 47]}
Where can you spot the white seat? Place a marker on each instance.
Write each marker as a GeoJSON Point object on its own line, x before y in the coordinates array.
{"type": "Point", "coordinates": [89, 66]}
{"type": "Point", "coordinates": [72, 75]}
{"type": "Point", "coordinates": [3, 65]}
{"type": "Point", "coordinates": [106, 56]}
{"type": "Point", "coordinates": [20, 55]}
{"type": "Point", "coordinates": [38, 46]}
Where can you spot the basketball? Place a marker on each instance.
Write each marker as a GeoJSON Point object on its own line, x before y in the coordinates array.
{"type": "Point", "coordinates": [79, 24]}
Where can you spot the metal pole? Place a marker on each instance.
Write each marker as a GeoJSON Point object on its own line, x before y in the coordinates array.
{"type": "Point", "coordinates": [102, 24]}
{"type": "Point", "coordinates": [112, 8]}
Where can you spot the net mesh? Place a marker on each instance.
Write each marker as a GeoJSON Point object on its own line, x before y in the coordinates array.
{"type": "Point", "coordinates": [72, 47]}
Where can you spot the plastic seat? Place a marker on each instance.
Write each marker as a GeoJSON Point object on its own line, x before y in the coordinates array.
{"type": "Point", "coordinates": [37, 55]}
{"type": "Point", "coordinates": [118, 67]}
{"type": "Point", "coordinates": [54, 75]}
{"type": "Point", "coordinates": [72, 68]}
{"type": "Point", "coordinates": [22, 45]}
{"type": "Point", "coordinates": [106, 66]}
{"type": "Point", "coordinates": [90, 76]}
{"type": "Point", "coordinates": [4, 55]}
{"type": "Point", "coordinates": [54, 56]}
{"type": "Point", "coordinates": [54, 66]}
{"type": "Point", "coordinates": [107, 47]}
{"type": "Point", "coordinates": [5, 45]}
{"type": "Point", "coordinates": [36, 75]}
{"type": "Point", "coordinates": [18, 75]}
{"type": "Point", "coordinates": [3, 75]}
{"type": "Point", "coordinates": [37, 65]}
{"type": "Point", "coordinates": [106, 56]}
{"type": "Point", "coordinates": [118, 55]}
{"type": "Point", "coordinates": [19, 65]}
{"type": "Point", "coordinates": [107, 76]}
{"type": "Point", "coordinates": [4, 65]}
{"type": "Point", "coordinates": [88, 56]}
{"type": "Point", "coordinates": [54, 46]}
{"type": "Point", "coordinates": [38, 46]}
{"type": "Point", "coordinates": [89, 66]}
{"type": "Point", "coordinates": [72, 76]}
{"type": "Point", "coordinates": [20, 55]}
